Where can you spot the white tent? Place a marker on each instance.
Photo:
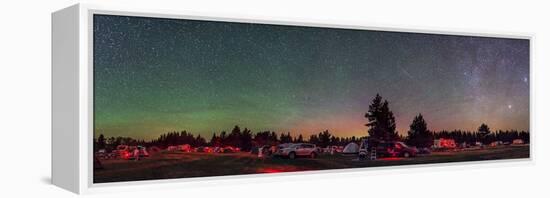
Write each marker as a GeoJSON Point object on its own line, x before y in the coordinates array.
{"type": "Point", "coordinates": [351, 148]}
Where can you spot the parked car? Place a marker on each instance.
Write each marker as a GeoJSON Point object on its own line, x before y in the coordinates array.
{"type": "Point", "coordinates": [423, 151]}
{"type": "Point", "coordinates": [101, 153]}
{"type": "Point", "coordinates": [123, 151]}
{"type": "Point", "coordinates": [217, 149]}
{"type": "Point", "coordinates": [332, 149]}
{"type": "Point", "coordinates": [230, 149]}
{"type": "Point", "coordinates": [131, 152]}
{"type": "Point", "coordinates": [204, 149]}
{"type": "Point", "coordinates": [395, 149]}
{"type": "Point", "coordinates": [297, 150]}
{"type": "Point", "coordinates": [319, 150]}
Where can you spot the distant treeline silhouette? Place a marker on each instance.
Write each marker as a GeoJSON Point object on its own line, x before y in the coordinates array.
{"type": "Point", "coordinates": [243, 139]}
{"type": "Point", "coordinates": [381, 126]}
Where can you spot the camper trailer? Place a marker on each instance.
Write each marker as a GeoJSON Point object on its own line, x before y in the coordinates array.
{"type": "Point", "coordinates": [443, 143]}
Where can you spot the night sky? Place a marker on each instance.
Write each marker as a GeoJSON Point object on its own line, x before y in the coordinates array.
{"type": "Point", "coordinates": [153, 76]}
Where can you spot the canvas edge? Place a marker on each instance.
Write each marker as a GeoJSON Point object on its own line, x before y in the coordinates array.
{"type": "Point", "coordinates": [85, 181]}
{"type": "Point", "coordinates": [65, 113]}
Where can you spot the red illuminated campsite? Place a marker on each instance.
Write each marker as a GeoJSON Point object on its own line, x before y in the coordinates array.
{"type": "Point", "coordinates": [183, 155]}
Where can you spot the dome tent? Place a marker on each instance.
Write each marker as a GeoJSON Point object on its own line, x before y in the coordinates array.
{"type": "Point", "coordinates": [351, 148]}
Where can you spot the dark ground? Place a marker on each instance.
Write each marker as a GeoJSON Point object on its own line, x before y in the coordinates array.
{"type": "Point", "coordinates": [167, 165]}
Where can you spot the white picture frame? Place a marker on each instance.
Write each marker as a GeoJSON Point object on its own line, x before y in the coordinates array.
{"type": "Point", "coordinates": [72, 104]}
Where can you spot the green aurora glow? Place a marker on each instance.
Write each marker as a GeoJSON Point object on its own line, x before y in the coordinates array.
{"type": "Point", "coordinates": [157, 75]}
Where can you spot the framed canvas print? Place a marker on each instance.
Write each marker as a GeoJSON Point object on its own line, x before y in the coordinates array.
{"type": "Point", "coordinates": [153, 97]}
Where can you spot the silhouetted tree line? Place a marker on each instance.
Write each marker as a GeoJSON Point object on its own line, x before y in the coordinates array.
{"type": "Point", "coordinates": [381, 123]}
{"type": "Point", "coordinates": [177, 138]}
{"type": "Point", "coordinates": [246, 140]}
{"type": "Point", "coordinates": [472, 137]}
{"type": "Point", "coordinates": [243, 139]}
{"type": "Point", "coordinates": [237, 138]}
{"type": "Point", "coordinates": [381, 126]}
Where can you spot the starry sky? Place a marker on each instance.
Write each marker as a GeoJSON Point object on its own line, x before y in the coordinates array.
{"type": "Point", "coordinates": [154, 75]}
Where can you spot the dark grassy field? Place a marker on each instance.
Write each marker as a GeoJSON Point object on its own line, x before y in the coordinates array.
{"type": "Point", "coordinates": [166, 165]}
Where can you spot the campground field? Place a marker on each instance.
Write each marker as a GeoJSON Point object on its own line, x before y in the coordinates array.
{"type": "Point", "coordinates": [169, 165]}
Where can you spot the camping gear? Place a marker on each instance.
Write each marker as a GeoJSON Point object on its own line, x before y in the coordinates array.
{"type": "Point", "coordinates": [351, 148]}
{"type": "Point", "coordinates": [260, 152]}
{"type": "Point", "coordinates": [364, 150]}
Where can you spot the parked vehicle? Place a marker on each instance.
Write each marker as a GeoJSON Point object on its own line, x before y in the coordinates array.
{"type": "Point", "coordinates": [229, 149]}
{"type": "Point", "coordinates": [297, 150]}
{"type": "Point", "coordinates": [183, 148]}
{"type": "Point", "coordinates": [319, 150]}
{"type": "Point", "coordinates": [101, 153]}
{"type": "Point", "coordinates": [333, 149]}
{"type": "Point", "coordinates": [131, 152]}
{"type": "Point", "coordinates": [496, 143]}
{"type": "Point", "coordinates": [424, 151]}
{"type": "Point", "coordinates": [443, 143]}
{"type": "Point", "coordinates": [142, 151]}
{"type": "Point", "coordinates": [517, 141]}
{"type": "Point", "coordinates": [204, 149]}
{"type": "Point", "coordinates": [395, 149]}
{"type": "Point", "coordinates": [124, 151]}
{"type": "Point", "coordinates": [217, 149]}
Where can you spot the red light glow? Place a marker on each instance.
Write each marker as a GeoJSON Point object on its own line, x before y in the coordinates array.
{"type": "Point", "coordinates": [390, 159]}
{"type": "Point", "coordinates": [277, 169]}
{"type": "Point", "coordinates": [269, 170]}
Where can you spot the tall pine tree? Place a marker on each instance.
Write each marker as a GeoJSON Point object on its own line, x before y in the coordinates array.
{"type": "Point", "coordinates": [418, 134]}
{"type": "Point", "coordinates": [484, 132]}
{"type": "Point", "coordinates": [324, 138]}
{"type": "Point", "coordinates": [101, 142]}
{"type": "Point", "coordinates": [246, 140]}
{"type": "Point", "coordinates": [381, 121]}
{"type": "Point", "coordinates": [300, 139]}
